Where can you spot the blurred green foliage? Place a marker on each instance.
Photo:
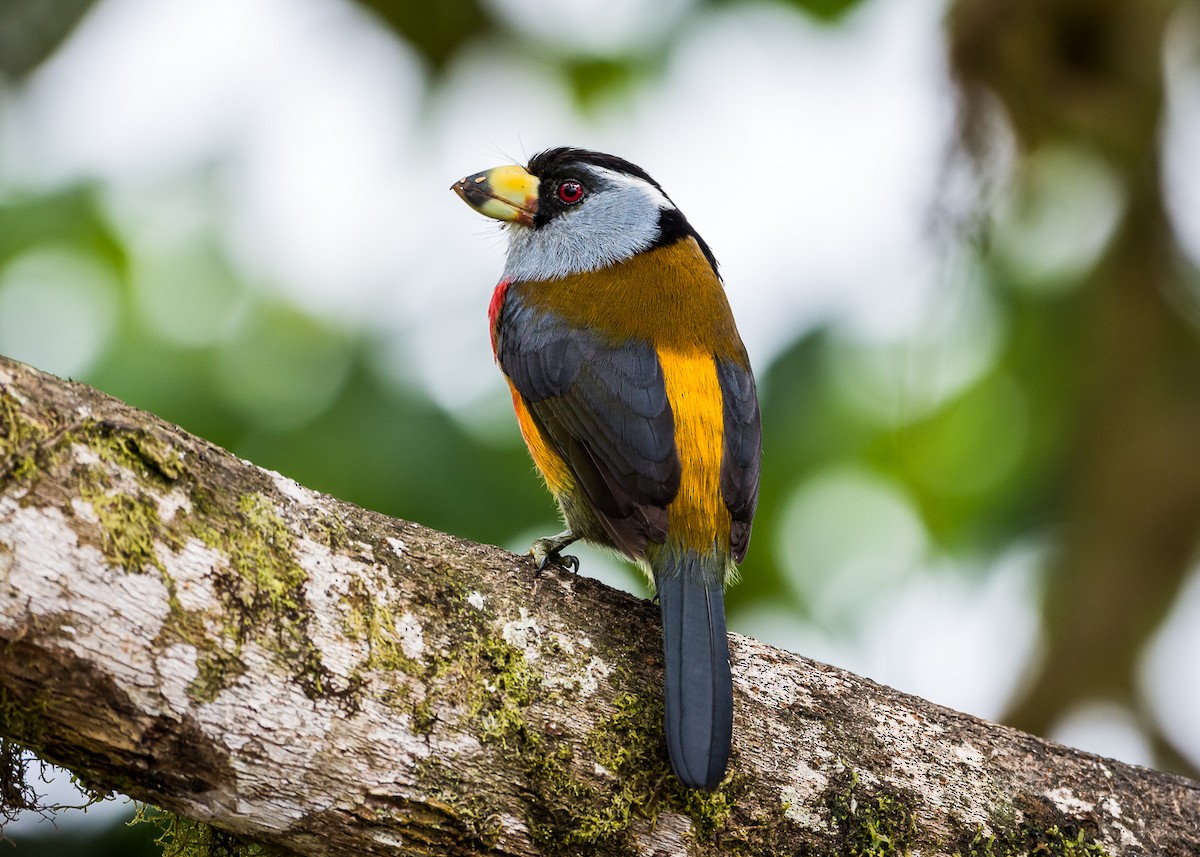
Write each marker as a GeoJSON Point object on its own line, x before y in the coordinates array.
{"type": "Point", "coordinates": [436, 30]}
{"type": "Point", "coordinates": [116, 840]}
{"type": "Point", "coordinates": [829, 11]}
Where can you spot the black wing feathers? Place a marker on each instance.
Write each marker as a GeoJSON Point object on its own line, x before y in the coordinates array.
{"type": "Point", "coordinates": [604, 407]}
{"type": "Point", "coordinates": [740, 461]}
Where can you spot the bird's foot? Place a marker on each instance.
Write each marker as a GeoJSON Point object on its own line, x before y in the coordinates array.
{"type": "Point", "coordinates": [549, 550]}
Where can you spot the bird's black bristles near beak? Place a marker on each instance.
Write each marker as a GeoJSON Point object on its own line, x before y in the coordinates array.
{"type": "Point", "coordinates": [507, 193]}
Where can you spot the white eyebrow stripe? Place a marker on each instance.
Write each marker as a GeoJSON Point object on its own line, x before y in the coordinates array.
{"type": "Point", "coordinates": [660, 198]}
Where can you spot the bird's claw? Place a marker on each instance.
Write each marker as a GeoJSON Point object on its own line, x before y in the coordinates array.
{"type": "Point", "coordinates": [563, 561]}
{"type": "Point", "coordinates": [546, 551]}
{"type": "Point", "coordinates": [569, 563]}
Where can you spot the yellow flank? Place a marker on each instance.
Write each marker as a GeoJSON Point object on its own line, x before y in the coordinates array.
{"type": "Point", "coordinates": [698, 517]}
{"type": "Point", "coordinates": [548, 462]}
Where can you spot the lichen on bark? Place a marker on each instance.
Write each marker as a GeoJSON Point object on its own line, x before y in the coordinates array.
{"type": "Point", "coordinates": [289, 670]}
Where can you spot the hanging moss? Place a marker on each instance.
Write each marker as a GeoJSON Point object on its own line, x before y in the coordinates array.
{"type": "Point", "coordinates": [182, 837]}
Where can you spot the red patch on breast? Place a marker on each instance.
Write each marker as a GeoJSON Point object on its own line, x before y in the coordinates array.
{"type": "Point", "coordinates": [494, 310]}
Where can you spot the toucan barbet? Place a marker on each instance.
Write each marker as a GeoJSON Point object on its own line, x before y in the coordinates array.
{"type": "Point", "coordinates": [636, 399]}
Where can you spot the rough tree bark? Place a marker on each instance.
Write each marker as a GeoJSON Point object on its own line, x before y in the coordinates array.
{"type": "Point", "coordinates": [214, 639]}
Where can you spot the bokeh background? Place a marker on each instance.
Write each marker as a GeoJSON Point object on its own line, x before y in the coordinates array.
{"type": "Point", "coordinates": [961, 237]}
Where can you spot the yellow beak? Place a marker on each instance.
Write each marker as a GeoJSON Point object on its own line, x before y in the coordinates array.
{"type": "Point", "coordinates": [505, 193]}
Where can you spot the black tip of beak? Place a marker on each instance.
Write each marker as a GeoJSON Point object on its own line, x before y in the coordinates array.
{"type": "Point", "coordinates": [473, 189]}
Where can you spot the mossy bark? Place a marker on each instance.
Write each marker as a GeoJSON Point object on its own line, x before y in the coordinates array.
{"type": "Point", "coordinates": [214, 639]}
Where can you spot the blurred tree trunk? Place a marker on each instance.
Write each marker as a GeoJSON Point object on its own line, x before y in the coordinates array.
{"type": "Point", "coordinates": [1089, 74]}
{"type": "Point", "coordinates": [211, 637]}
{"type": "Point", "coordinates": [32, 30]}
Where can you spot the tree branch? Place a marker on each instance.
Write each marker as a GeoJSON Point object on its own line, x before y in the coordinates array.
{"type": "Point", "coordinates": [212, 638]}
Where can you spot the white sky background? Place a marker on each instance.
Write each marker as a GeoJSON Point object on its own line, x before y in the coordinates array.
{"type": "Point", "coordinates": [807, 156]}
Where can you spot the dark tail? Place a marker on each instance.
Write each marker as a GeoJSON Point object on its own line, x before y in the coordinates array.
{"type": "Point", "coordinates": [699, 691]}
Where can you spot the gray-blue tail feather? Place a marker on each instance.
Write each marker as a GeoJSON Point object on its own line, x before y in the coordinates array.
{"type": "Point", "coordinates": [699, 690]}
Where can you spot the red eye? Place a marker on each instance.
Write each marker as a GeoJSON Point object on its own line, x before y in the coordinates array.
{"type": "Point", "coordinates": [570, 192]}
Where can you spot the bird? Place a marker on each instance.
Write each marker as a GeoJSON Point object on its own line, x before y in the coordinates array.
{"type": "Point", "coordinates": [634, 394]}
